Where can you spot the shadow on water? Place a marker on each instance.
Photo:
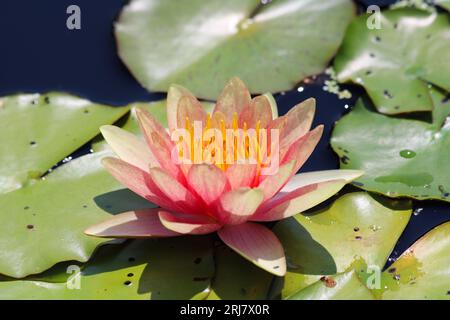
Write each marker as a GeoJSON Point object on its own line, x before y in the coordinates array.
{"type": "Point", "coordinates": [121, 200]}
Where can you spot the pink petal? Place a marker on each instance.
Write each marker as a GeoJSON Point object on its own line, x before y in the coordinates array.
{"type": "Point", "coordinates": [273, 183]}
{"type": "Point", "coordinates": [298, 122]}
{"type": "Point", "coordinates": [233, 99]}
{"type": "Point", "coordinates": [137, 181]}
{"type": "Point", "coordinates": [189, 108]}
{"type": "Point", "coordinates": [273, 105]}
{"type": "Point", "coordinates": [302, 148]}
{"type": "Point", "coordinates": [158, 141]}
{"type": "Point", "coordinates": [258, 110]}
{"type": "Point", "coordinates": [257, 244]}
{"type": "Point", "coordinates": [174, 95]}
{"type": "Point", "coordinates": [238, 205]}
{"type": "Point", "coordinates": [241, 175]}
{"type": "Point", "coordinates": [303, 192]}
{"type": "Point", "coordinates": [173, 190]}
{"type": "Point", "coordinates": [129, 148]}
{"type": "Point", "coordinates": [132, 224]}
{"type": "Point", "coordinates": [208, 181]}
{"type": "Point", "coordinates": [188, 223]}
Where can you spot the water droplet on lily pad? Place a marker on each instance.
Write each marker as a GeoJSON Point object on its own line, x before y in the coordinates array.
{"type": "Point", "coordinates": [408, 154]}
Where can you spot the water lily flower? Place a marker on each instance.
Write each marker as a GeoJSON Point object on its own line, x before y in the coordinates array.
{"type": "Point", "coordinates": [232, 199]}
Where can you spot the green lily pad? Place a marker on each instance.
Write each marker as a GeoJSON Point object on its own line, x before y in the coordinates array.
{"type": "Point", "coordinates": [43, 223]}
{"type": "Point", "coordinates": [444, 4]}
{"type": "Point", "coordinates": [345, 286]}
{"type": "Point", "coordinates": [396, 62]}
{"type": "Point", "coordinates": [202, 44]}
{"type": "Point", "coordinates": [423, 271]}
{"type": "Point", "coordinates": [157, 109]}
{"type": "Point", "coordinates": [40, 130]}
{"type": "Point", "coordinates": [176, 268]}
{"type": "Point", "coordinates": [400, 157]}
{"type": "Point", "coordinates": [236, 278]}
{"type": "Point", "coordinates": [357, 230]}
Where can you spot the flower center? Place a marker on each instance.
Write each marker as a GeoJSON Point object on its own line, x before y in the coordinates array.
{"type": "Point", "coordinates": [213, 141]}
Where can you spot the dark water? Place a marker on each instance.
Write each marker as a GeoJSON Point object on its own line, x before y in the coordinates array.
{"type": "Point", "coordinates": [39, 54]}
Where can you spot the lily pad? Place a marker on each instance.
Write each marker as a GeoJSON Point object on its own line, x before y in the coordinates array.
{"type": "Point", "coordinates": [444, 4]}
{"type": "Point", "coordinates": [202, 44]}
{"type": "Point", "coordinates": [236, 278]}
{"type": "Point", "coordinates": [345, 286]}
{"type": "Point", "coordinates": [40, 130]}
{"type": "Point", "coordinates": [423, 271]}
{"type": "Point", "coordinates": [43, 223]}
{"type": "Point", "coordinates": [400, 157]}
{"type": "Point", "coordinates": [396, 62]}
{"type": "Point", "coordinates": [177, 268]}
{"type": "Point", "coordinates": [357, 230]}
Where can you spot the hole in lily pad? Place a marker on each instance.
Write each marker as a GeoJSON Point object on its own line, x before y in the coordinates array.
{"type": "Point", "coordinates": [30, 226]}
{"type": "Point", "coordinates": [128, 283]}
{"type": "Point", "coordinates": [358, 237]}
{"type": "Point", "coordinates": [387, 94]}
{"type": "Point", "coordinates": [356, 229]}
{"type": "Point", "coordinates": [33, 143]}
{"type": "Point", "coordinates": [130, 275]}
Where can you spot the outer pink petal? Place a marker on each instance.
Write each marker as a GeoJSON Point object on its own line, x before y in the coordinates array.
{"type": "Point", "coordinates": [173, 190]}
{"type": "Point", "coordinates": [233, 99]}
{"type": "Point", "coordinates": [302, 148]}
{"type": "Point", "coordinates": [190, 108]}
{"type": "Point", "coordinates": [303, 192]}
{"type": "Point", "coordinates": [188, 223]}
{"type": "Point", "coordinates": [129, 147]}
{"type": "Point", "coordinates": [158, 141]}
{"type": "Point", "coordinates": [132, 224]}
{"type": "Point", "coordinates": [241, 175]}
{"type": "Point", "coordinates": [137, 181]}
{"type": "Point", "coordinates": [236, 206]}
{"type": "Point", "coordinates": [258, 110]}
{"type": "Point", "coordinates": [273, 183]}
{"type": "Point", "coordinates": [174, 95]}
{"type": "Point", "coordinates": [298, 122]}
{"type": "Point", "coordinates": [257, 244]}
{"type": "Point", "coordinates": [208, 181]}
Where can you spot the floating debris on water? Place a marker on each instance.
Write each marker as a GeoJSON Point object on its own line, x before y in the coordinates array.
{"type": "Point", "coordinates": [332, 85]}
{"type": "Point", "coordinates": [329, 281]}
{"type": "Point", "coordinates": [417, 211]}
